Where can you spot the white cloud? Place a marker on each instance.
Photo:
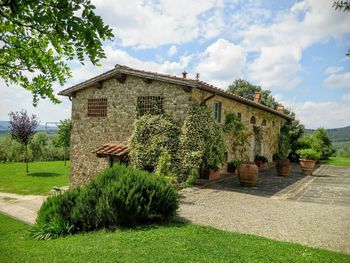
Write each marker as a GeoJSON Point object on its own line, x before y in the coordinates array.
{"type": "Point", "coordinates": [346, 97]}
{"type": "Point", "coordinates": [304, 24]}
{"type": "Point", "coordinates": [332, 70]}
{"type": "Point", "coordinates": [341, 80]}
{"type": "Point", "coordinates": [277, 67]}
{"type": "Point", "coordinates": [172, 51]}
{"type": "Point", "coordinates": [326, 114]}
{"type": "Point", "coordinates": [145, 24]}
{"type": "Point", "coordinates": [221, 63]}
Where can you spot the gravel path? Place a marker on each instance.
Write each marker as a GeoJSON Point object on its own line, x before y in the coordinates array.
{"type": "Point", "coordinates": [317, 225]}
{"type": "Point", "coordinates": [21, 207]}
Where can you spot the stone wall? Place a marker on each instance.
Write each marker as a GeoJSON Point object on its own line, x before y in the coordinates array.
{"type": "Point", "coordinates": [90, 132]}
{"type": "Point", "coordinates": [269, 133]}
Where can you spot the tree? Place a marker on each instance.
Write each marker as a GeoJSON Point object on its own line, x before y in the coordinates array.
{"type": "Point", "coordinates": [37, 37]}
{"type": "Point", "coordinates": [342, 6]}
{"type": "Point", "coordinates": [63, 136]}
{"type": "Point", "coordinates": [247, 90]}
{"type": "Point", "coordinates": [318, 141]}
{"type": "Point", "coordinates": [22, 129]}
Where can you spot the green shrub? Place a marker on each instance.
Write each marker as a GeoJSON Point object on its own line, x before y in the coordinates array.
{"type": "Point", "coordinates": [309, 154]}
{"type": "Point", "coordinates": [261, 158]}
{"type": "Point", "coordinates": [201, 142]}
{"type": "Point", "coordinates": [153, 134]}
{"type": "Point", "coordinates": [319, 141]}
{"type": "Point", "coordinates": [120, 196]}
{"type": "Point", "coordinates": [164, 163]}
{"type": "Point", "coordinates": [54, 218]}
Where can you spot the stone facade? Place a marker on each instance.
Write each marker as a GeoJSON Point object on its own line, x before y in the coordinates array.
{"type": "Point", "coordinates": [90, 132]}
{"type": "Point", "coordinates": [268, 133]}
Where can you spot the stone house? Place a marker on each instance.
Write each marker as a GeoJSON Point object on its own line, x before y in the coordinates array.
{"type": "Point", "coordinates": [104, 108]}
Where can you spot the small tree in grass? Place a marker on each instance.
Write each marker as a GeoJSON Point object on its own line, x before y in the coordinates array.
{"type": "Point", "coordinates": [63, 136]}
{"type": "Point", "coordinates": [22, 128]}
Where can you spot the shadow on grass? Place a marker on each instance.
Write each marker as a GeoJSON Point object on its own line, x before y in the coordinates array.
{"type": "Point", "coordinates": [44, 174]}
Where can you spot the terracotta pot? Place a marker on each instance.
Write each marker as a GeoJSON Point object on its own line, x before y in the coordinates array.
{"type": "Point", "coordinates": [283, 167]}
{"type": "Point", "coordinates": [258, 163]}
{"type": "Point", "coordinates": [307, 166]}
{"type": "Point", "coordinates": [231, 168]}
{"type": "Point", "coordinates": [247, 174]}
{"type": "Point", "coordinates": [210, 174]}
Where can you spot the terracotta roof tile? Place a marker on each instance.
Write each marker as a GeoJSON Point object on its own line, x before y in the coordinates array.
{"type": "Point", "coordinates": [194, 83]}
{"type": "Point", "coordinates": [113, 150]}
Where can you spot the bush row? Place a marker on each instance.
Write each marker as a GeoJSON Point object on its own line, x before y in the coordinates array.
{"type": "Point", "coordinates": [120, 196]}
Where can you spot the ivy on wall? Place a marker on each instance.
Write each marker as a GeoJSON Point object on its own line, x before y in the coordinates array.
{"type": "Point", "coordinates": [152, 135]}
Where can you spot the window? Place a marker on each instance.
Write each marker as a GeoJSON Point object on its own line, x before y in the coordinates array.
{"type": "Point", "coordinates": [97, 107]}
{"type": "Point", "coordinates": [149, 104]}
{"type": "Point", "coordinates": [252, 120]}
{"type": "Point", "coordinates": [263, 123]}
{"type": "Point", "coordinates": [239, 115]}
{"type": "Point", "coordinates": [217, 111]}
{"type": "Point", "coordinates": [273, 124]}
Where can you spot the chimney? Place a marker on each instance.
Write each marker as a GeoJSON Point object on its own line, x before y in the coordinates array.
{"type": "Point", "coordinates": [257, 97]}
{"type": "Point", "coordinates": [184, 74]}
{"type": "Point", "coordinates": [280, 107]}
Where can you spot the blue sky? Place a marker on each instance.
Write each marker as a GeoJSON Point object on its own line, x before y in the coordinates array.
{"type": "Point", "coordinates": [296, 49]}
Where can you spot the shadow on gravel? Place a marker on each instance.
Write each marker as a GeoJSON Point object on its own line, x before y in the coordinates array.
{"type": "Point", "coordinates": [268, 182]}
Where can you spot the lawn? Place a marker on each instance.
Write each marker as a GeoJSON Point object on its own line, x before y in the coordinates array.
{"type": "Point", "coordinates": [40, 180]}
{"type": "Point", "coordinates": [337, 161]}
{"type": "Point", "coordinates": [167, 243]}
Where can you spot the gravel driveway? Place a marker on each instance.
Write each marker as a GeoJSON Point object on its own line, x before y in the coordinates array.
{"type": "Point", "coordinates": [278, 216]}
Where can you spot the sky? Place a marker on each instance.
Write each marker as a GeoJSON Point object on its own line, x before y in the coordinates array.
{"type": "Point", "coordinates": [296, 49]}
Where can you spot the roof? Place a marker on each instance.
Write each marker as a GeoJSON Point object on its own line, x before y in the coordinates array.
{"type": "Point", "coordinates": [193, 83]}
{"type": "Point", "coordinates": [113, 150]}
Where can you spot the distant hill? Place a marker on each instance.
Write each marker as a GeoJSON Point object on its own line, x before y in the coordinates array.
{"type": "Point", "coordinates": [337, 134]}
{"type": "Point", "coordinates": [4, 127]}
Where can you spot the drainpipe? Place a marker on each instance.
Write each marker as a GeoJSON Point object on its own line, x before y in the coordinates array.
{"type": "Point", "coordinates": [208, 98]}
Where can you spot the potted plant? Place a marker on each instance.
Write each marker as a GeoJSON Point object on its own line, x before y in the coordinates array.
{"type": "Point", "coordinates": [211, 172]}
{"type": "Point", "coordinates": [247, 174]}
{"type": "Point", "coordinates": [308, 158]}
{"type": "Point", "coordinates": [283, 166]}
{"type": "Point", "coordinates": [260, 160]}
{"type": "Point", "coordinates": [232, 166]}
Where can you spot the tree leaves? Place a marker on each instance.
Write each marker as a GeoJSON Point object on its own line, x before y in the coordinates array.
{"type": "Point", "coordinates": [37, 38]}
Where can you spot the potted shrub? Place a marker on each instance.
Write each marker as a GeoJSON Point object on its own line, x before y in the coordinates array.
{"type": "Point", "coordinates": [260, 160]}
{"type": "Point", "coordinates": [232, 166]}
{"type": "Point", "coordinates": [211, 172]}
{"type": "Point", "coordinates": [247, 174]}
{"type": "Point", "coordinates": [308, 158]}
{"type": "Point", "coordinates": [283, 166]}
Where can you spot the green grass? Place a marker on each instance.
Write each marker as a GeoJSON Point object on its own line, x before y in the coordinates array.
{"type": "Point", "coordinates": [337, 161]}
{"type": "Point", "coordinates": [40, 180]}
{"type": "Point", "coordinates": [167, 243]}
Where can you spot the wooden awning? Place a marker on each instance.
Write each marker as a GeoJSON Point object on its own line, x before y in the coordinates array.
{"type": "Point", "coordinates": [112, 150]}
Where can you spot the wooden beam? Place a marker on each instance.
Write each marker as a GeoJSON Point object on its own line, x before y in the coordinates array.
{"type": "Point", "coordinates": [97, 85]}
{"type": "Point", "coordinates": [120, 77]}
{"type": "Point", "coordinates": [186, 88]}
{"type": "Point", "coordinates": [147, 80]}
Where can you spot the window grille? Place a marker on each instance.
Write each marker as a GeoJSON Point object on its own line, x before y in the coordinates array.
{"type": "Point", "coordinates": [149, 104]}
{"type": "Point", "coordinates": [97, 107]}
{"type": "Point", "coordinates": [239, 115]}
